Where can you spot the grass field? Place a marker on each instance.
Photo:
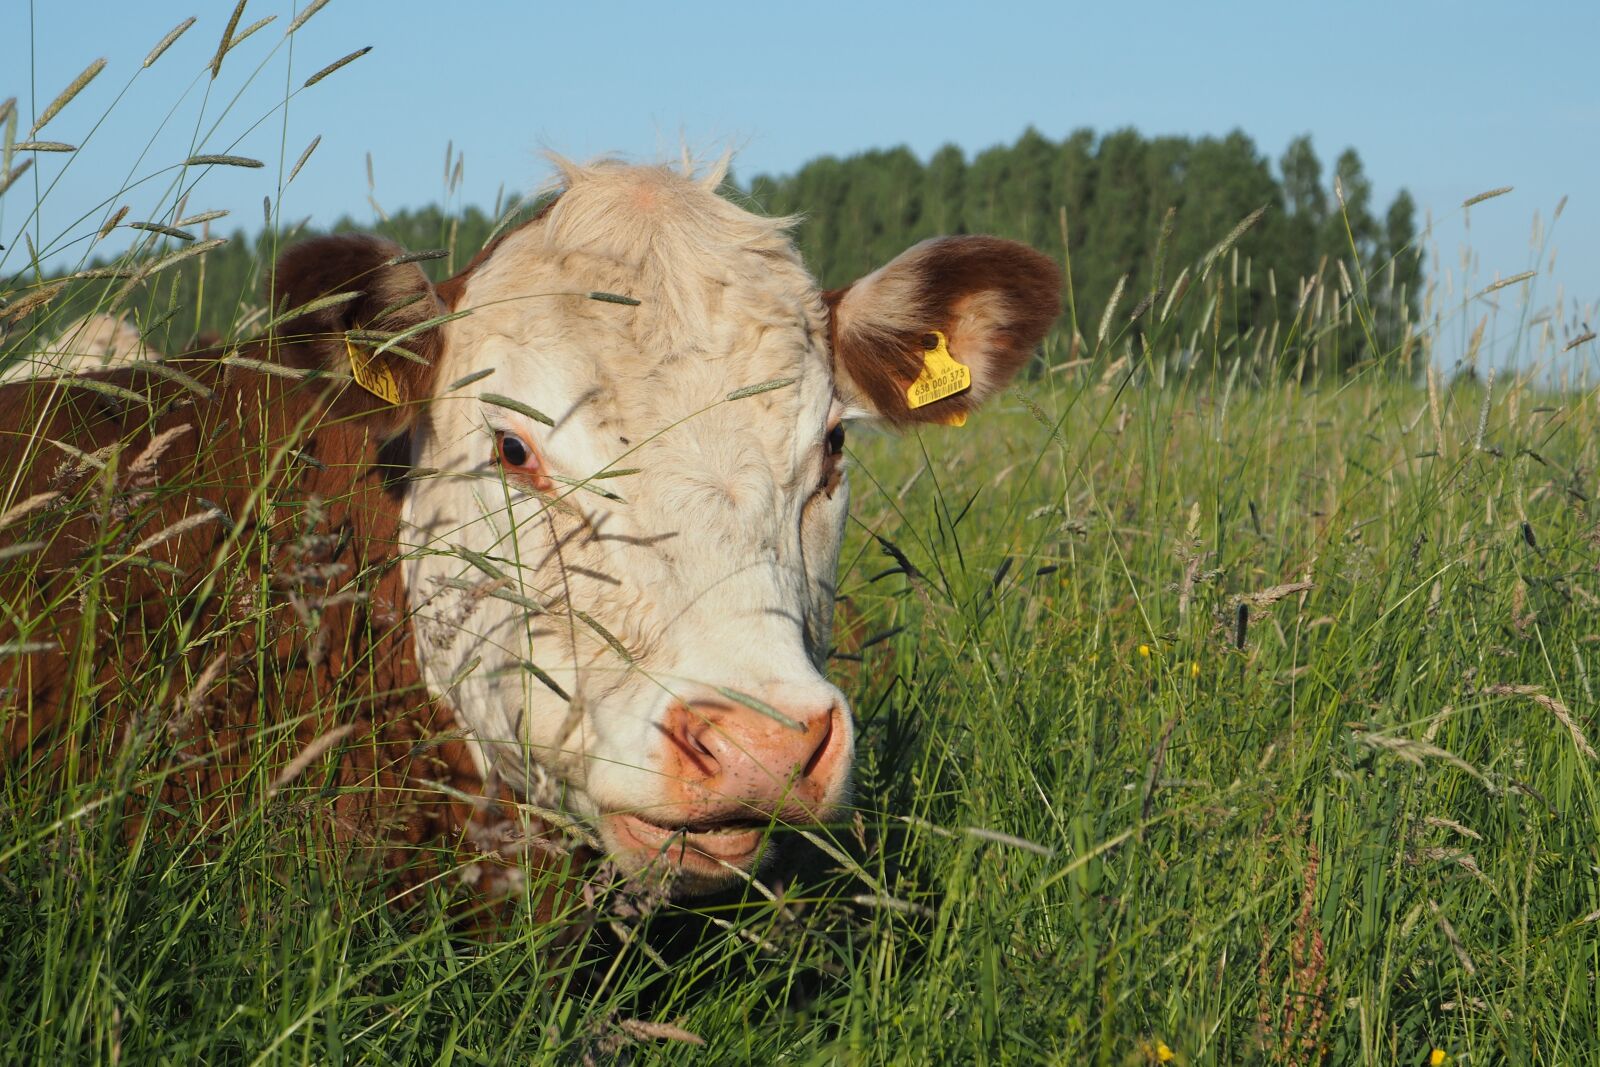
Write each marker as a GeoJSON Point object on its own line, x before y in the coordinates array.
{"type": "Point", "coordinates": [1203, 717]}
{"type": "Point", "coordinates": [1091, 817]}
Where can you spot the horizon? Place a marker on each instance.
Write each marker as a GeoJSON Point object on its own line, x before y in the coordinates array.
{"type": "Point", "coordinates": [1523, 130]}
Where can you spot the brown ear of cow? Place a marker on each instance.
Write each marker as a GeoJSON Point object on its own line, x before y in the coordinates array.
{"type": "Point", "coordinates": [993, 300]}
{"type": "Point", "coordinates": [393, 298]}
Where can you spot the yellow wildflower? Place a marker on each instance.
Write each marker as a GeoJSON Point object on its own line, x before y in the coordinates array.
{"type": "Point", "coordinates": [1437, 1057]}
{"type": "Point", "coordinates": [1194, 670]}
{"type": "Point", "coordinates": [1157, 1051]}
{"type": "Point", "coordinates": [1144, 650]}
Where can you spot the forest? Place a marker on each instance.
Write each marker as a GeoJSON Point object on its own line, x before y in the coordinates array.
{"type": "Point", "coordinates": [1130, 218]}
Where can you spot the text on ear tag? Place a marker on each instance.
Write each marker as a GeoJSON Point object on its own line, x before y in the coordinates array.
{"type": "Point", "coordinates": [941, 376]}
{"type": "Point", "coordinates": [371, 374]}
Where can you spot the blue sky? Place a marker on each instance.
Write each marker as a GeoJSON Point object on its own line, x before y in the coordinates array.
{"type": "Point", "coordinates": [1446, 99]}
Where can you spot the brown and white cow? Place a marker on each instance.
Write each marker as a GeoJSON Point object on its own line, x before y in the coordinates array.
{"type": "Point", "coordinates": [572, 526]}
{"type": "Point", "coordinates": [92, 343]}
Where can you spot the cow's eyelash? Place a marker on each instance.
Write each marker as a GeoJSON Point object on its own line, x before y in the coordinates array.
{"type": "Point", "coordinates": [497, 423]}
{"type": "Point", "coordinates": [499, 427]}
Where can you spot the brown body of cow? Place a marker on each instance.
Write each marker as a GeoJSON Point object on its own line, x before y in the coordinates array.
{"type": "Point", "coordinates": [205, 560]}
{"type": "Point", "coordinates": [276, 608]}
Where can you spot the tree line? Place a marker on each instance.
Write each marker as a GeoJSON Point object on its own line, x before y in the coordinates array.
{"type": "Point", "coordinates": [1131, 218]}
{"type": "Point", "coordinates": [1126, 214]}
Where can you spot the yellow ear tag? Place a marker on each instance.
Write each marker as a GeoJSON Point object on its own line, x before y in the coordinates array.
{"type": "Point", "coordinates": [941, 376]}
{"type": "Point", "coordinates": [372, 375]}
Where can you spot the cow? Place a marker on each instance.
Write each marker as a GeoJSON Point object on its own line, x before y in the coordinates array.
{"type": "Point", "coordinates": [559, 533]}
{"type": "Point", "coordinates": [92, 343]}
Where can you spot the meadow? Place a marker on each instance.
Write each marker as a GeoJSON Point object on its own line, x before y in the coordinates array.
{"type": "Point", "coordinates": [1214, 707]}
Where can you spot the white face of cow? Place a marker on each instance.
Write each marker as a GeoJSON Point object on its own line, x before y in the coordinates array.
{"type": "Point", "coordinates": [630, 607]}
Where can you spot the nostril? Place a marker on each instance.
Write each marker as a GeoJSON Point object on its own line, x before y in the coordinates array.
{"type": "Point", "coordinates": [823, 744]}
{"type": "Point", "coordinates": [684, 731]}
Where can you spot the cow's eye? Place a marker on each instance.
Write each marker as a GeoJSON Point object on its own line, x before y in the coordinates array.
{"type": "Point", "coordinates": [512, 450]}
{"type": "Point", "coordinates": [520, 461]}
{"type": "Point", "coordinates": [833, 460]}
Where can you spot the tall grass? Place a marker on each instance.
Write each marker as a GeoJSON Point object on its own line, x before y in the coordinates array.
{"type": "Point", "coordinates": [1205, 710]}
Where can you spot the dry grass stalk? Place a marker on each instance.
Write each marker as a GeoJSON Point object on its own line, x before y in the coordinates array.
{"type": "Point", "coordinates": [204, 216]}
{"type": "Point", "coordinates": [1504, 282]}
{"type": "Point", "coordinates": [82, 462]}
{"type": "Point", "coordinates": [1562, 713]}
{"type": "Point", "coordinates": [192, 700]}
{"type": "Point", "coordinates": [144, 464]}
{"type": "Point", "coordinates": [1483, 412]}
{"type": "Point", "coordinates": [163, 229]}
{"type": "Point", "coordinates": [1465, 860]}
{"type": "Point", "coordinates": [1520, 620]}
{"type": "Point", "coordinates": [887, 903]}
{"type": "Point", "coordinates": [66, 95]}
{"type": "Point", "coordinates": [32, 302]}
{"type": "Point", "coordinates": [26, 648]}
{"type": "Point", "coordinates": [158, 265]}
{"type": "Point", "coordinates": [1450, 824]}
{"type": "Point", "coordinates": [1454, 940]}
{"type": "Point", "coordinates": [9, 177]}
{"type": "Point", "coordinates": [308, 755]}
{"type": "Point", "coordinates": [1111, 309]}
{"type": "Point", "coordinates": [227, 39]}
{"type": "Point", "coordinates": [28, 507]}
{"type": "Point", "coordinates": [1179, 287]}
{"type": "Point", "coordinates": [1433, 408]}
{"type": "Point", "coordinates": [182, 526]}
{"type": "Point", "coordinates": [215, 159]}
{"type": "Point", "coordinates": [249, 30]}
{"type": "Point", "coordinates": [335, 65]}
{"type": "Point", "coordinates": [983, 833]}
{"type": "Point", "coordinates": [748, 936]}
{"type": "Point", "coordinates": [111, 223]}
{"type": "Point", "coordinates": [1267, 597]}
{"type": "Point", "coordinates": [1191, 568]}
{"type": "Point", "coordinates": [643, 1030]}
{"type": "Point", "coordinates": [305, 16]}
{"type": "Point", "coordinates": [1475, 342]}
{"type": "Point", "coordinates": [310, 148]}
{"type": "Point", "coordinates": [1490, 195]}
{"type": "Point", "coordinates": [1158, 761]}
{"type": "Point", "coordinates": [1413, 751]}
{"type": "Point", "coordinates": [168, 41]}
{"type": "Point", "coordinates": [1437, 721]}
{"type": "Point", "coordinates": [277, 370]}
{"type": "Point", "coordinates": [1237, 232]}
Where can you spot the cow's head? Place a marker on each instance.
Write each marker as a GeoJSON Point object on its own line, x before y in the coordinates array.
{"type": "Point", "coordinates": [625, 517]}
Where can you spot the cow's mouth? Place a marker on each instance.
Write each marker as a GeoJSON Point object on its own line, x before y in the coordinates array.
{"type": "Point", "coordinates": [707, 851]}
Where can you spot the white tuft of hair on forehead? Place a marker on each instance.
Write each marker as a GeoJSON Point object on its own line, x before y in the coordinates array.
{"type": "Point", "coordinates": [717, 173]}
{"type": "Point", "coordinates": [681, 244]}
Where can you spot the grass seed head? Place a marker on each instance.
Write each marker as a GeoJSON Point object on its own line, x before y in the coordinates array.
{"type": "Point", "coordinates": [88, 75]}
{"type": "Point", "coordinates": [168, 41]}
